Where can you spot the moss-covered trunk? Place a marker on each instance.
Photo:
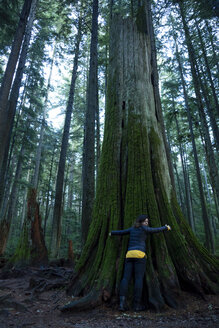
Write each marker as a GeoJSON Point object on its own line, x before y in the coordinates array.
{"type": "Point", "coordinates": [134, 179]}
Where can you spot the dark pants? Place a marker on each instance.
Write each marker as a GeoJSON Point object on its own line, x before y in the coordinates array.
{"type": "Point", "coordinates": [136, 266]}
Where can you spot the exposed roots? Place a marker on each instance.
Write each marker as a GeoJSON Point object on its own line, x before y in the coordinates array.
{"type": "Point", "coordinates": [91, 300]}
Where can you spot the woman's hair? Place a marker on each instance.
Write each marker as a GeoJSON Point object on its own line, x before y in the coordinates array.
{"type": "Point", "coordinates": [139, 220]}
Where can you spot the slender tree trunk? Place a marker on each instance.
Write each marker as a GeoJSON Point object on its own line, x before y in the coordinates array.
{"type": "Point", "coordinates": [209, 199]}
{"type": "Point", "coordinates": [179, 184]}
{"type": "Point", "coordinates": [210, 109]}
{"type": "Point", "coordinates": [206, 220]}
{"type": "Point", "coordinates": [207, 67]}
{"type": "Point", "coordinates": [70, 185]}
{"type": "Point", "coordinates": [181, 202]}
{"type": "Point", "coordinates": [186, 179]}
{"type": "Point", "coordinates": [9, 109]}
{"type": "Point", "coordinates": [9, 74]}
{"type": "Point", "coordinates": [133, 179]}
{"type": "Point", "coordinates": [11, 209]}
{"type": "Point", "coordinates": [56, 226]}
{"type": "Point", "coordinates": [42, 128]}
{"type": "Point", "coordinates": [208, 146]}
{"type": "Point", "coordinates": [88, 170]}
{"type": "Point", "coordinates": [97, 137]}
{"type": "Point", "coordinates": [48, 192]}
{"type": "Point", "coordinates": [215, 58]}
{"type": "Point", "coordinates": [8, 212]}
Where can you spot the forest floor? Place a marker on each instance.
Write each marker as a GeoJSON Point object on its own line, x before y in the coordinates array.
{"type": "Point", "coordinates": [27, 300]}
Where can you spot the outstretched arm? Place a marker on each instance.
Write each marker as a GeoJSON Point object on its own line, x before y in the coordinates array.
{"type": "Point", "coordinates": [156, 230]}
{"type": "Point", "coordinates": [120, 232]}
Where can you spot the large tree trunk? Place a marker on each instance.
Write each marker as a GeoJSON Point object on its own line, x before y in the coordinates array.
{"type": "Point", "coordinates": [88, 170]}
{"type": "Point", "coordinates": [56, 227]}
{"type": "Point", "coordinates": [134, 179]}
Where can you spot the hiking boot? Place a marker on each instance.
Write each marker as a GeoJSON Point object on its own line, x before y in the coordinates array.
{"type": "Point", "coordinates": [122, 304]}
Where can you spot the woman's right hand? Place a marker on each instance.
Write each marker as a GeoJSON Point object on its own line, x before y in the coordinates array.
{"type": "Point", "coordinates": [168, 226]}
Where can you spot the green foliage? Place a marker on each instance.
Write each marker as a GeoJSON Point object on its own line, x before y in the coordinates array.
{"type": "Point", "coordinates": [9, 16]}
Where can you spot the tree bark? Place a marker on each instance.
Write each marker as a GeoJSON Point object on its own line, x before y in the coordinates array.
{"type": "Point", "coordinates": [88, 169]}
{"type": "Point", "coordinates": [39, 254]}
{"type": "Point", "coordinates": [7, 113]}
{"type": "Point", "coordinates": [48, 191]}
{"type": "Point", "coordinates": [133, 179]}
{"type": "Point", "coordinates": [9, 74]}
{"type": "Point", "coordinates": [56, 227]}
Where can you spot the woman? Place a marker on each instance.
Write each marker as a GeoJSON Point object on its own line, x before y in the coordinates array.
{"type": "Point", "coordinates": [135, 259]}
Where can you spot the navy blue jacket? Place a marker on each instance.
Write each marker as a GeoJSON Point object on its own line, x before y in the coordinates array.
{"type": "Point", "coordinates": [138, 236]}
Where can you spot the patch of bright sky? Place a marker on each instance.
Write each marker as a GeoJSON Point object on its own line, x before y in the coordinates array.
{"type": "Point", "coordinates": [61, 72]}
{"type": "Point", "coordinates": [56, 108]}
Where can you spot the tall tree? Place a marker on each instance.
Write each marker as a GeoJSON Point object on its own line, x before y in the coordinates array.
{"type": "Point", "coordinates": [88, 171]}
{"type": "Point", "coordinates": [6, 130]}
{"type": "Point", "coordinates": [134, 178]}
{"type": "Point", "coordinates": [56, 227]}
{"type": "Point", "coordinates": [9, 74]}
{"type": "Point", "coordinates": [35, 177]}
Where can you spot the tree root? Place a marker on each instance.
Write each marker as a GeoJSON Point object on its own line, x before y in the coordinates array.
{"type": "Point", "coordinates": [91, 300]}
